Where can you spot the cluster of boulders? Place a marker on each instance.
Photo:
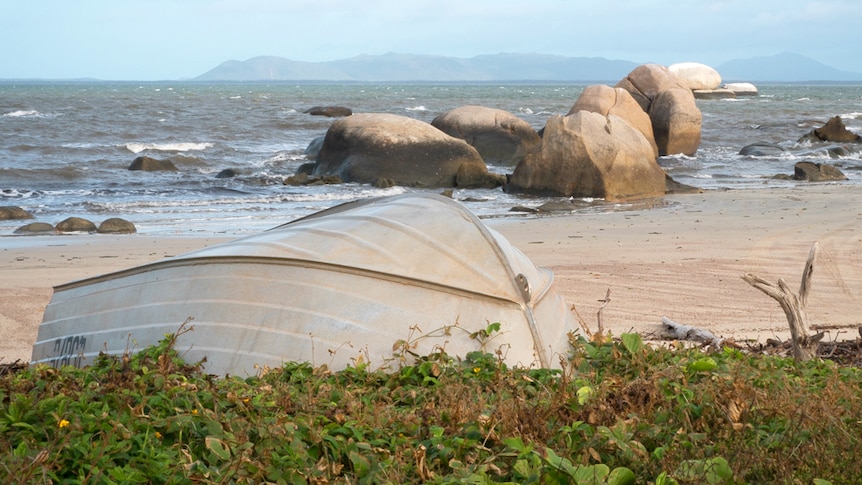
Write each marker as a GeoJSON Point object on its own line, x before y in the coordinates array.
{"type": "Point", "coordinates": [834, 140]}
{"type": "Point", "coordinates": [607, 146]}
{"type": "Point", "coordinates": [114, 225]}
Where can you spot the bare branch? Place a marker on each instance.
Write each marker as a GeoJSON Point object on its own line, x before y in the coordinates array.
{"type": "Point", "coordinates": [807, 273]}
{"type": "Point", "coordinates": [804, 346]}
{"type": "Point", "coordinates": [604, 303]}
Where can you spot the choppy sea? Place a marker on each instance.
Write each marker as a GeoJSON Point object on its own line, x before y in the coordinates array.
{"type": "Point", "coordinates": [65, 147]}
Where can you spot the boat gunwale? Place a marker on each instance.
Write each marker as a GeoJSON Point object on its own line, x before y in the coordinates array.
{"type": "Point", "coordinates": [295, 262]}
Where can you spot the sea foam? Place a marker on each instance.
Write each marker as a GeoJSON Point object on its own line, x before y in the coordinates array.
{"type": "Point", "coordinates": [30, 113]}
{"type": "Point", "coordinates": [167, 147]}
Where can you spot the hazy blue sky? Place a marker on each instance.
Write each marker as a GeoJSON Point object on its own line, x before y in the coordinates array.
{"type": "Point", "coordinates": [176, 39]}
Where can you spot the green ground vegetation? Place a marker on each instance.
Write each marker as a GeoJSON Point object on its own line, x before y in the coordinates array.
{"type": "Point", "coordinates": [619, 412]}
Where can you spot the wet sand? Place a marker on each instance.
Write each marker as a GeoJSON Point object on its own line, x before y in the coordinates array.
{"type": "Point", "coordinates": [683, 259]}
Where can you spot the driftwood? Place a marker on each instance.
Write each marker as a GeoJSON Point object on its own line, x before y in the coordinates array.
{"type": "Point", "coordinates": [793, 304]}
{"type": "Point", "coordinates": [679, 331]}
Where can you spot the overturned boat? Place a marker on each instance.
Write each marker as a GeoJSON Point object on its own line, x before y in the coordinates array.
{"type": "Point", "coordinates": [373, 281]}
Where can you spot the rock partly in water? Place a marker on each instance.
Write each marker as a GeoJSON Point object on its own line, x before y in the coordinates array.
{"type": "Point", "coordinates": [817, 172]}
{"type": "Point", "coordinates": [762, 149]}
{"type": "Point", "coordinates": [676, 122]}
{"type": "Point", "coordinates": [329, 111]}
{"type": "Point", "coordinates": [12, 212]}
{"type": "Point", "coordinates": [366, 147]}
{"type": "Point", "coordinates": [694, 75]}
{"type": "Point", "coordinates": [116, 225]}
{"type": "Point", "coordinates": [586, 154]}
{"type": "Point", "coordinates": [227, 174]}
{"type": "Point", "coordinates": [713, 93]}
{"type": "Point", "coordinates": [741, 89]}
{"type": "Point", "coordinates": [499, 136]}
{"type": "Point", "coordinates": [35, 228]}
{"type": "Point", "coordinates": [834, 131]}
{"type": "Point", "coordinates": [831, 151]}
{"type": "Point", "coordinates": [149, 164]}
{"type": "Point", "coordinates": [313, 148]}
{"type": "Point", "coordinates": [76, 224]}
{"type": "Point", "coordinates": [303, 178]}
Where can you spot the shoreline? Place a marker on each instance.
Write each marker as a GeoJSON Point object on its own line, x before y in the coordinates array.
{"type": "Point", "coordinates": [683, 259]}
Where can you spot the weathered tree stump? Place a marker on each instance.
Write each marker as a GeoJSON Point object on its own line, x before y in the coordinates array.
{"type": "Point", "coordinates": [804, 345]}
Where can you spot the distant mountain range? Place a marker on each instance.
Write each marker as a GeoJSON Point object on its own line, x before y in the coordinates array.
{"type": "Point", "coordinates": [785, 67]}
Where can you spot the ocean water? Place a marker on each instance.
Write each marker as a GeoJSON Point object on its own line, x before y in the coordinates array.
{"type": "Point", "coordinates": [65, 147]}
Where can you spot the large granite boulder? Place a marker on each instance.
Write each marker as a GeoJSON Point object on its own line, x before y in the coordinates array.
{"type": "Point", "coordinates": [646, 81]}
{"type": "Point", "coordinates": [368, 147]}
{"type": "Point", "coordinates": [587, 154]}
{"type": "Point", "coordinates": [834, 131]}
{"type": "Point", "coordinates": [671, 107]}
{"type": "Point", "coordinates": [606, 100]}
{"type": "Point", "coordinates": [676, 122]}
{"type": "Point", "coordinates": [499, 136]}
{"type": "Point", "coordinates": [694, 75]}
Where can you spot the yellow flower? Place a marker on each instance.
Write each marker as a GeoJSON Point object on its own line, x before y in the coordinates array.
{"type": "Point", "coordinates": [476, 370]}
{"type": "Point", "coordinates": [194, 411]}
{"type": "Point", "coordinates": [158, 435]}
{"type": "Point", "coordinates": [63, 423]}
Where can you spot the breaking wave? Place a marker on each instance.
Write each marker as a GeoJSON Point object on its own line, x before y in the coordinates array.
{"type": "Point", "coordinates": [167, 147]}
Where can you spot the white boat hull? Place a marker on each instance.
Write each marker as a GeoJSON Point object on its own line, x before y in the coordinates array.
{"type": "Point", "coordinates": [286, 296]}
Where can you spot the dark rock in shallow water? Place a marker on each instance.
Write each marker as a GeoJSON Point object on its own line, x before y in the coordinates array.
{"type": "Point", "coordinates": [834, 130]}
{"type": "Point", "coordinates": [762, 150]}
{"type": "Point", "coordinates": [149, 164]}
{"type": "Point", "coordinates": [10, 212]}
{"type": "Point", "coordinates": [302, 178]}
{"type": "Point", "coordinates": [817, 172]}
{"type": "Point", "coordinates": [227, 173]}
{"type": "Point", "coordinates": [76, 224]}
{"type": "Point", "coordinates": [329, 111]}
{"type": "Point", "coordinates": [35, 228]}
{"type": "Point", "coordinates": [306, 168]}
{"type": "Point", "coordinates": [314, 147]}
{"type": "Point", "coordinates": [116, 225]}
{"type": "Point", "coordinates": [833, 151]}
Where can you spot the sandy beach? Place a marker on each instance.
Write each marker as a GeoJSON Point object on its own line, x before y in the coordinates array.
{"type": "Point", "coordinates": [683, 259]}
